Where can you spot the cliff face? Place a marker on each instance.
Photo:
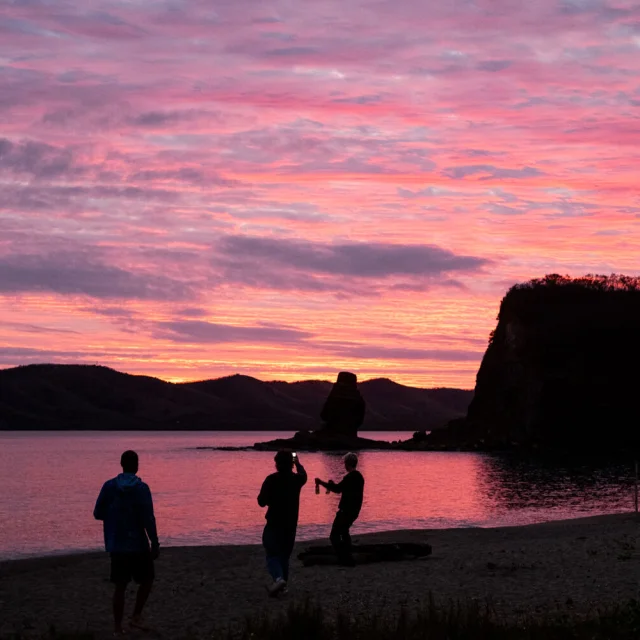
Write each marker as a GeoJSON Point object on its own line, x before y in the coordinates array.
{"type": "Point", "coordinates": [562, 366]}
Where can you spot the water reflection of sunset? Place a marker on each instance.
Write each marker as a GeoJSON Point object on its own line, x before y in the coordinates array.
{"type": "Point", "coordinates": [209, 497]}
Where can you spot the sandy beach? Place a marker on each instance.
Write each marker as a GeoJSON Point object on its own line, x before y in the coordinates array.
{"type": "Point", "coordinates": [570, 565]}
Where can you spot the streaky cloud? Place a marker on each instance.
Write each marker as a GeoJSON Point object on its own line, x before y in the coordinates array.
{"type": "Point", "coordinates": [364, 352]}
{"type": "Point", "coordinates": [353, 259]}
{"type": "Point", "coordinates": [79, 274]}
{"type": "Point", "coordinates": [201, 332]}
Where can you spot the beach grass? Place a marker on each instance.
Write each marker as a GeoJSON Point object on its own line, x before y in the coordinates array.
{"type": "Point", "coordinates": [455, 621]}
{"type": "Point", "coordinates": [52, 634]}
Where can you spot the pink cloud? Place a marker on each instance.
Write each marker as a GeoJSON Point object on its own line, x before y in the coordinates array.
{"type": "Point", "coordinates": [190, 189]}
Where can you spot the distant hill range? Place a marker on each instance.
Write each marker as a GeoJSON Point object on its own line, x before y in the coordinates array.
{"type": "Point", "coordinates": [84, 397]}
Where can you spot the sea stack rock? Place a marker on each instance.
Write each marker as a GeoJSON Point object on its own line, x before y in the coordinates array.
{"type": "Point", "coordinates": [343, 411]}
{"type": "Point", "coordinates": [561, 370]}
{"type": "Point", "coordinates": [342, 416]}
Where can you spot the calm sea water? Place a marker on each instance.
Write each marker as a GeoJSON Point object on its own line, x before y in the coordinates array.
{"type": "Point", "coordinates": [49, 482]}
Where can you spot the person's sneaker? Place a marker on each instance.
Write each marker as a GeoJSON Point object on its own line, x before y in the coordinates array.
{"type": "Point", "coordinates": [277, 587]}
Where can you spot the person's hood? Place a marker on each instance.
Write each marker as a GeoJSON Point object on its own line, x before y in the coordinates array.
{"type": "Point", "coordinates": [127, 481]}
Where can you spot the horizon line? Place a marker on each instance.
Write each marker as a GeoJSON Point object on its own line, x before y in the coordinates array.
{"type": "Point", "coordinates": [230, 375]}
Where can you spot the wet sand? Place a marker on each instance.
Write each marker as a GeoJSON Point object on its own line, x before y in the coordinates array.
{"type": "Point", "coordinates": [570, 565]}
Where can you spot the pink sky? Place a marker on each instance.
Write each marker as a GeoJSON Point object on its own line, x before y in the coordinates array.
{"type": "Point", "coordinates": [287, 189]}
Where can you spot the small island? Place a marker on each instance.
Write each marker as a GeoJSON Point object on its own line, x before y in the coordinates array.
{"type": "Point", "coordinates": [342, 415]}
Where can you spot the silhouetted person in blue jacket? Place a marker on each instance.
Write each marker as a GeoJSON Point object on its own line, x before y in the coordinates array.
{"type": "Point", "coordinates": [281, 494]}
{"type": "Point", "coordinates": [126, 508]}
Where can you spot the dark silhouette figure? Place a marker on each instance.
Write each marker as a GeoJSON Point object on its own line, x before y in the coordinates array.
{"type": "Point", "coordinates": [281, 494]}
{"type": "Point", "coordinates": [126, 508]}
{"type": "Point", "coordinates": [343, 411]}
{"type": "Point", "coordinates": [351, 487]}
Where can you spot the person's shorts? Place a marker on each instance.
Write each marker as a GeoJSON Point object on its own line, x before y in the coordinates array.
{"type": "Point", "coordinates": [132, 566]}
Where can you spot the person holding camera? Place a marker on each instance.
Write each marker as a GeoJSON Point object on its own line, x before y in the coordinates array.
{"type": "Point", "coordinates": [351, 488]}
{"type": "Point", "coordinates": [280, 493]}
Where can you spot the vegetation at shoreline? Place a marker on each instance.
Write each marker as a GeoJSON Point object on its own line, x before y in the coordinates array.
{"type": "Point", "coordinates": [455, 621]}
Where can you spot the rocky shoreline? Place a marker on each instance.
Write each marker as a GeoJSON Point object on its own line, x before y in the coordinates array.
{"type": "Point", "coordinates": [314, 441]}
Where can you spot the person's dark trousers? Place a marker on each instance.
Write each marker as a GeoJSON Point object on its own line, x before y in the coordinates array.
{"type": "Point", "coordinates": [278, 545]}
{"type": "Point", "coordinates": [341, 538]}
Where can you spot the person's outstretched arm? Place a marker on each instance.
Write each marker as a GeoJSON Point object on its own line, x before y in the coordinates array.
{"type": "Point", "coordinates": [102, 504]}
{"type": "Point", "coordinates": [331, 485]}
{"type": "Point", "coordinates": [149, 519]}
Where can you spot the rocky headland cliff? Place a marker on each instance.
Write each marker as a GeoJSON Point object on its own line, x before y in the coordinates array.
{"type": "Point", "coordinates": [561, 371]}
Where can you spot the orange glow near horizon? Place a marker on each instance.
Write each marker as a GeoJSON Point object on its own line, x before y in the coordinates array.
{"type": "Point", "coordinates": [274, 192]}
